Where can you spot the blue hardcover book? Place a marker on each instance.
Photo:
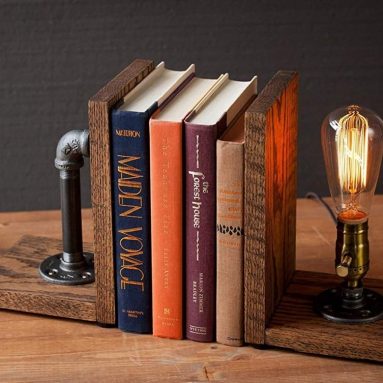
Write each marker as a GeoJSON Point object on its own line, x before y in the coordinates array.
{"type": "Point", "coordinates": [131, 195]}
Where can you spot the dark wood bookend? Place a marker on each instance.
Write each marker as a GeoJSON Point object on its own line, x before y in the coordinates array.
{"type": "Point", "coordinates": [21, 287]}
{"type": "Point", "coordinates": [101, 188]}
{"type": "Point", "coordinates": [270, 200]}
{"type": "Point", "coordinates": [278, 299]}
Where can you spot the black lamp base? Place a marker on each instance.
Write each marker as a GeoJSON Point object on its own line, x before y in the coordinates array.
{"type": "Point", "coordinates": [344, 305]}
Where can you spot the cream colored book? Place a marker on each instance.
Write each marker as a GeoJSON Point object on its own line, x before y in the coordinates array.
{"type": "Point", "coordinates": [230, 170]}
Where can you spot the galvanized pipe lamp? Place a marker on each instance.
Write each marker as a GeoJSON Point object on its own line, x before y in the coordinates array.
{"type": "Point", "coordinates": [352, 142]}
{"type": "Point", "coordinates": [72, 266]}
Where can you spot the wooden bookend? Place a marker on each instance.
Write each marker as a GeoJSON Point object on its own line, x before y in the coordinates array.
{"type": "Point", "coordinates": [270, 200]}
{"type": "Point", "coordinates": [101, 188]}
{"type": "Point", "coordinates": [278, 299]}
{"type": "Point", "coordinates": [21, 287]}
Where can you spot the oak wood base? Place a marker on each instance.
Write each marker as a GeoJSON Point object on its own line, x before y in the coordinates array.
{"type": "Point", "coordinates": [22, 288]}
{"type": "Point", "coordinates": [296, 326]}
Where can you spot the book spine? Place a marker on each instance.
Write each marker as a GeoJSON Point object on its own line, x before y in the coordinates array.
{"type": "Point", "coordinates": [166, 198]}
{"type": "Point", "coordinates": [131, 205]}
{"type": "Point", "coordinates": [200, 237]}
{"type": "Point", "coordinates": [230, 167]}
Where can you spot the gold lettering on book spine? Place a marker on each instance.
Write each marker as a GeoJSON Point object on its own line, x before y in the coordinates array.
{"type": "Point", "coordinates": [128, 133]}
{"type": "Point", "coordinates": [129, 184]}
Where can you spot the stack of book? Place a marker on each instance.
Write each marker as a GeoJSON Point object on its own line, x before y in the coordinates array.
{"type": "Point", "coordinates": [177, 157]}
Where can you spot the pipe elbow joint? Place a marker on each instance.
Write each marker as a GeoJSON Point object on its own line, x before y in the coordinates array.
{"type": "Point", "coordinates": [71, 149]}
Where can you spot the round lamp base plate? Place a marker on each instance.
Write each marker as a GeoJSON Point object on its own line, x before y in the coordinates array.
{"type": "Point", "coordinates": [332, 306]}
{"type": "Point", "coordinates": [52, 271]}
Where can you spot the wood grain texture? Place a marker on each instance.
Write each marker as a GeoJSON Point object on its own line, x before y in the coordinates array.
{"type": "Point", "coordinates": [296, 326]}
{"type": "Point", "coordinates": [101, 192]}
{"type": "Point", "coordinates": [35, 349]}
{"type": "Point", "coordinates": [270, 205]}
{"type": "Point", "coordinates": [42, 349]}
{"type": "Point", "coordinates": [22, 288]}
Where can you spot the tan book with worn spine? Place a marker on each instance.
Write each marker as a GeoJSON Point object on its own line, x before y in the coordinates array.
{"type": "Point", "coordinates": [230, 171]}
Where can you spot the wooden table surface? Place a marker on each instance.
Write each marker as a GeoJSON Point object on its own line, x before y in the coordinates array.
{"type": "Point", "coordinates": [41, 349]}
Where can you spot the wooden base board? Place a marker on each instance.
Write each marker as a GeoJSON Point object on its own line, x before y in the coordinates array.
{"type": "Point", "coordinates": [296, 326]}
{"type": "Point", "coordinates": [22, 288]}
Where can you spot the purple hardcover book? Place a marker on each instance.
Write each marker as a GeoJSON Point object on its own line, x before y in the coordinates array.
{"type": "Point", "coordinates": [200, 215]}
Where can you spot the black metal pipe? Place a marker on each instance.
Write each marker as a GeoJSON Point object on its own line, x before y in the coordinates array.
{"type": "Point", "coordinates": [72, 266]}
{"type": "Point", "coordinates": [71, 216]}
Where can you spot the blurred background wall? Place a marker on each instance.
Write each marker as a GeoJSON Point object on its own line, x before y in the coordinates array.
{"type": "Point", "coordinates": [54, 55]}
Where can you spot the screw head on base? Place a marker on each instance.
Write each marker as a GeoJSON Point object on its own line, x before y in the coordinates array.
{"type": "Point", "coordinates": [50, 269]}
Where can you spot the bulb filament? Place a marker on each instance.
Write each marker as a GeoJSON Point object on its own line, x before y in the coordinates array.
{"type": "Point", "coordinates": [352, 149]}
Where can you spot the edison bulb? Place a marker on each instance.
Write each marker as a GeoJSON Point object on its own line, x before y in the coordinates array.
{"type": "Point", "coordinates": [352, 143]}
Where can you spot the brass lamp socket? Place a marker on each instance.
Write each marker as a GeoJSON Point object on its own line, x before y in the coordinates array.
{"type": "Point", "coordinates": [350, 302]}
{"type": "Point", "coordinates": [352, 252]}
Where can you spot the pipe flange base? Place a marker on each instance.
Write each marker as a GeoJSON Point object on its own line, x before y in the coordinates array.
{"type": "Point", "coordinates": [331, 305]}
{"type": "Point", "coordinates": [50, 270]}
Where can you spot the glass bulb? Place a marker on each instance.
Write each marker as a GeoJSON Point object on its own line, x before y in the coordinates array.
{"type": "Point", "coordinates": [352, 143]}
